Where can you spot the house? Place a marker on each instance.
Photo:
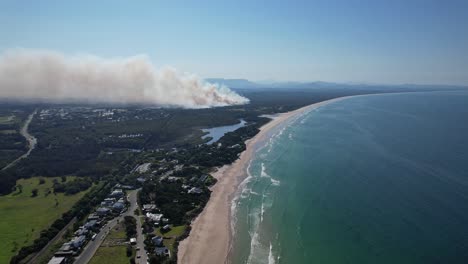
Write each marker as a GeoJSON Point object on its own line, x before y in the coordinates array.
{"type": "Point", "coordinates": [90, 224]}
{"type": "Point", "coordinates": [66, 247]}
{"type": "Point", "coordinates": [157, 241]}
{"type": "Point", "coordinates": [108, 202]}
{"type": "Point", "coordinates": [57, 260]}
{"type": "Point", "coordinates": [195, 190]}
{"type": "Point", "coordinates": [81, 231]}
{"type": "Point", "coordinates": [117, 193]}
{"type": "Point", "coordinates": [125, 187]}
{"type": "Point", "coordinates": [65, 250]}
{"type": "Point", "coordinates": [77, 242]}
{"type": "Point", "coordinates": [93, 217]}
{"type": "Point", "coordinates": [194, 178]}
{"type": "Point", "coordinates": [102, 211]}
{"type": "Point", "coordinates": [154, 217]}
{"type": "Point", "coordinates": [149, 207]}
{"type": "Point", "coordinates": [162, 251]}
{"type": "Point", "coordinates": [118, 206]}
{"type": "Point", "coordinates": [203, 178]}
{"type": "Point", "coordinates": [172, 179]}
{"type": "Point", "coordinates": [141, 180]}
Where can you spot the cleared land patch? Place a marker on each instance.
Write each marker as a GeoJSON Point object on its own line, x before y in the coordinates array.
{"type": "Point", "coordinates": [171, 236]}
{"type": "Point", "coordinates": [113, 250]}
{"type": "Point", "coordinates": [8, 131]}
{"type": "Point", "coordinates": [7, 119]}
{"type": "Point", "coordinates": [24, 216]}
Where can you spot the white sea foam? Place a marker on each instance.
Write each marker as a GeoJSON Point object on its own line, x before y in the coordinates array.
{"type": "Point", "coordinates": [254, 193]}
{"type": "Point", "coordinates": [271, 257]}
{"type": "Point", "coordinates": [235, 201]}
{"type": "Point", "coordinates": [262, 211]}
{"type": "Point", "coordinates": [263, 172]}
{"type": "Point", "coordinates": [275, 182]}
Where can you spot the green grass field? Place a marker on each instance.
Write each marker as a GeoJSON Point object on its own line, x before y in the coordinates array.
{"type": "Point", "coordinates": [7, 119]}
{"type": "Point", "coordinates": [117, 233]}
{"type": "Point", "coordinates": [112, 254]}
{"type": "Point", "coordinates": [175, 232]}
{"type": "Point", "coordinates": [23, 217]}
{"type": "Point", "coordinates": [8, 131]}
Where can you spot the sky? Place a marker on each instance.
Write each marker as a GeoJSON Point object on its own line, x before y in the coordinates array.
{"type": "Point", "coordinates": [367, 41]}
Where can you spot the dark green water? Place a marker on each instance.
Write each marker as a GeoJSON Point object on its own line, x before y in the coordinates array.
{"type": "Point", "coordinates": [374, 179]}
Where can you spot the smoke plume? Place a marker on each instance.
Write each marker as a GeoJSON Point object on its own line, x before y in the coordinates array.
{"type": "Point", "coordinates": [52, 76]}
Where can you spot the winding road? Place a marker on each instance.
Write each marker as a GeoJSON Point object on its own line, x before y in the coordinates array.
{"type": "Point", "coordinates": [32, 141]}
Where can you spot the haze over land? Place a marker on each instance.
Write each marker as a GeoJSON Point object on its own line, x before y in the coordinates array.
{"type": "Point", "coordinates": [53, 76]}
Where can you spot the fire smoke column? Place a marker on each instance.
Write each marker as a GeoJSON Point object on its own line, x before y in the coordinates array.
{"type": "Point", "coordinates": [52, 76]}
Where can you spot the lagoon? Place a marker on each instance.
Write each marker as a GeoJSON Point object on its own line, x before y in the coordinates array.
{"type": "Point", "coordinates": [217, 132]}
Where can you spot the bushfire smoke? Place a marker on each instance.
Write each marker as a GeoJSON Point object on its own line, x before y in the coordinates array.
{"type": "Point", "coordinates": [52, 76]}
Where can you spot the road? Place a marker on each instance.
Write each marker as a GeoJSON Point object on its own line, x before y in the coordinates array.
{"type": "Point", "coordinates": [90, 249]}
{"type": "Point", "coordinates": [32, 141]}
{"type": "Point", "coordinates": [140, 238]}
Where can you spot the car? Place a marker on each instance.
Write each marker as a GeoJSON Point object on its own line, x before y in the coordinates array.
{"type": "Point", "coordinates": [138, 256]}
{"type": "Point", "coordinates": [138, 248]}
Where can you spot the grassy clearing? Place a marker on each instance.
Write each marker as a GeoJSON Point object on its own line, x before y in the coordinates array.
{"type": "Point", "coordinates": [112, 250]}
{"type": "Point", "coordinates": [7, 119]}
{"type": "Point", "coordinates": [110, 255]}
{"type": "Point", "coordinates": [24, 217]}
{"type": "Point", "coordinates": [175, 232]}
{"type": "Point", "coordinates": [117, 233]}
{"type": "Point", "coordinates": [8, 131]}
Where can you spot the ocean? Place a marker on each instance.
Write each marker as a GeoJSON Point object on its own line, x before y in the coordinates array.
{"type": "Point", "coordinates": [370, 179]}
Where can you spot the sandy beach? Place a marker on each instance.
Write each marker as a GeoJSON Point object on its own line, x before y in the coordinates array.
{"type": "Point", "coordinates": [210, 237]}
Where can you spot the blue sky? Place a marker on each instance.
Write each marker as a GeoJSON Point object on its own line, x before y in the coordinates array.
{"type": "Point", "coordinates": [367, 41]}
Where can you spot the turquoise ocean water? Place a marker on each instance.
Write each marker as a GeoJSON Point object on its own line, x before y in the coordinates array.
{"type": "Point", "coordinates": [372, 179]}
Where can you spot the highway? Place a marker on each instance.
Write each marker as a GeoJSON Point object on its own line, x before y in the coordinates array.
{"type": "Point", "coordinates": [92, 246]}
{"type": "Point", "coordinates": [32, 141]}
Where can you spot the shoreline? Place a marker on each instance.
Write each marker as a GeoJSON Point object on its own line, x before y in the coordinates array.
{"type": "Point", "coordinates": [210, 238]}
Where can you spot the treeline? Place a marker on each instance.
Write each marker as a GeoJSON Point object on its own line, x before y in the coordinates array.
{"type": "Point", "coordinates": [80, 210]}
{"type": "Point", "coordinates": [130, 226]}
{"type": "Point", "coordinates": [13, 141]}
{"type": "Point", "coordinates": [72, 187]}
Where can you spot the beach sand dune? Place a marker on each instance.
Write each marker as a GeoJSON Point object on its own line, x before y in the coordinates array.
{"type": "Point", "coordinates": [210, 238]}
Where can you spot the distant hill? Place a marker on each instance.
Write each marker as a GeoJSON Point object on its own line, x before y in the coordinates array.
{"type": "Point", "coordinates": [246, 84]}
{"type": "Point", "coordinates": [235, 83]}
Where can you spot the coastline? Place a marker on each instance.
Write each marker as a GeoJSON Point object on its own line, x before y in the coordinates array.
{"type": "Point", "coordinates": [210, 238]}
